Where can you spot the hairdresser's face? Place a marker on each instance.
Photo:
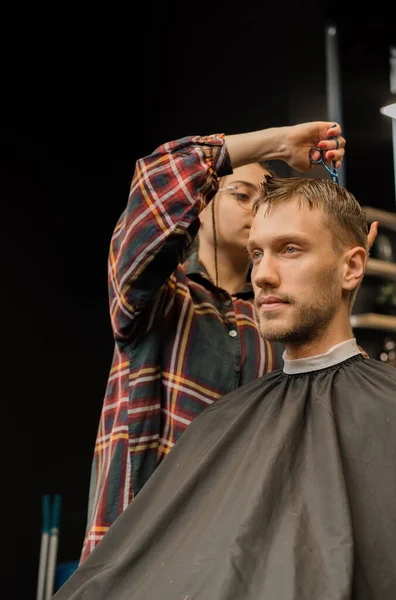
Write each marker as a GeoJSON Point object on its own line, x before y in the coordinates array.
{"type": "Point", "coordinates": [233, 204]}
{"type": "Point", "coordinates": [296, 274]}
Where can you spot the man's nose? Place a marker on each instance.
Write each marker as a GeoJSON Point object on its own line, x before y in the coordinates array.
{"type": "Point", "coordinates": [266, 273]}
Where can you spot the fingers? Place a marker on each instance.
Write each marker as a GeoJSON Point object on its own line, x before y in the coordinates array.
{"type": "Point", "coordinates": [332, 152]}
{"type": "Point", "coordinates": [334, 148]}
{"type": "Point", "coordinates": [315, 155]}
{"type": "Point", "coordinates": [333, 144]}
{"type": "Point", "coordinates": [336, 156]}
{"type": "Point", "coordinates": [372, 234]}
{"type": "Point", "coordinates": [334, 129]}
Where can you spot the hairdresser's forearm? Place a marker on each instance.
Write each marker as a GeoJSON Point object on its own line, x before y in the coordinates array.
{"type": "Point", "coordinates": [256, 146]}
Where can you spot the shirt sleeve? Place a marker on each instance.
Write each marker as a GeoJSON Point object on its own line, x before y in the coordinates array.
{"type": "Point", "coordinates": [169, 189]}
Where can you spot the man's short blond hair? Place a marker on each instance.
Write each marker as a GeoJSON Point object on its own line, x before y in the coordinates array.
{"type": "Point", "coordinates": [343, 214]}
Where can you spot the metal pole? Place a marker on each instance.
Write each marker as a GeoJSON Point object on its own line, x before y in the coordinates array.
{"type": "Point", "coordinates": [333, 85]}
{"type": "Point", "coordinates": [390, 111]}
{"type": "Point", "coordinates": [392, 61]}
{"type": "Point", "coordinates": [394, 152]}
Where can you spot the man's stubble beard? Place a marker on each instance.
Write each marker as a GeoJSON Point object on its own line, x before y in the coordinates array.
{"type": "Point", "coordinates": [311, 319]}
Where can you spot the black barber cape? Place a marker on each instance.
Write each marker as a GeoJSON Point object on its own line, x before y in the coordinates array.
{"type": "Point", "coordinates": [284, 489]}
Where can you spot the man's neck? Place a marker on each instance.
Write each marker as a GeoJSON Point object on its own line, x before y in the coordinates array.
{"type": "Point", "coordinates": [232, 272]}
{"type": "Point", "coordinates": [334, 356]}
{"type": "Point", "coordinates": [334, 334]}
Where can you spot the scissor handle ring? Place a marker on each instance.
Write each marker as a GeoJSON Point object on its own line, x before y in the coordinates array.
{"type": "Point", "coordinates": [320, 160]}
{"type": "Point", "coordinates": [332, 137]}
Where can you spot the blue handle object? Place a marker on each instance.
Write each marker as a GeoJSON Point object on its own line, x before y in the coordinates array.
{"type": "Point", "coordinates": [64, 570]}
{"type": "Point", "coordinates": [321, 161]}
{"type": "Point", "coordinates": [45, 505]}
{"type": "Point", "coordinates": [56, 513]}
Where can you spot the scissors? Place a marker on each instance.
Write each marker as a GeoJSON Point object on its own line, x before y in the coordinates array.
{"type": "Point", "coordinates": [321, 161]}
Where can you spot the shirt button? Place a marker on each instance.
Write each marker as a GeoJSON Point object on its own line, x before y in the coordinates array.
{"type": "Point", "coordinates": [237, 368]}
{"type": "Point", "coordinates": [232, 333]}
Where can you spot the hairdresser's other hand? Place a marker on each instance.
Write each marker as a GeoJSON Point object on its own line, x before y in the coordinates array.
{"type": "Point", "coordinates": [372, 234]}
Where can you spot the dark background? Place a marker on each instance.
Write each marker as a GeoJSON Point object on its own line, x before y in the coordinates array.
{"type": "Point", "coordinates": [84, 96]}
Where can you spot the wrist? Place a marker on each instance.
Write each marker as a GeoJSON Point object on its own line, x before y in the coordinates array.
{"type": "Point", "coordinates": [274, 144]}
{"type": "Point", "coordinates": [257, 146]}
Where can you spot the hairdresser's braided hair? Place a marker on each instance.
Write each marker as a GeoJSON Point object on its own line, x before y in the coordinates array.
{"type": "Point", "coordinates": [215, 242]}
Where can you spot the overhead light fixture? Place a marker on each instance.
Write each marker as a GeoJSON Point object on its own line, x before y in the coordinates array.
{"type": "Point", "coordinates": [389, 111]}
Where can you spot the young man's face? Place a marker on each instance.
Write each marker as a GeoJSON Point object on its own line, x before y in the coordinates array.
{"type": "Point", "coordinates": [297, 276]}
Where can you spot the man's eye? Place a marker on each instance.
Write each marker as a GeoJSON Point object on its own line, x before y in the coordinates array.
{"type": "Point", "coordinates": [256, 255]}
{"type": "Point", "coordinates": [290, 249]}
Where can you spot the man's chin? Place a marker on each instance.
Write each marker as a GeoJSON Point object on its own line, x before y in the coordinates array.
{"type": "Point", "coordinates": [275, 328]}
{"type": "Point", "coordinates": [273, 334]}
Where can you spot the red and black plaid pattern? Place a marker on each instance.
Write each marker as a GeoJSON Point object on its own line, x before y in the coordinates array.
{"type": "Point", "coordinates": [181, 343]}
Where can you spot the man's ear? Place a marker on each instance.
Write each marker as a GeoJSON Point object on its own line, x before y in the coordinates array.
{"type": "Point", "coordinates": [354, 267]}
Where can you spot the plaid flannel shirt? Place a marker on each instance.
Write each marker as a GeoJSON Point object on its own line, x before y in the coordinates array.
{"type": "Point", "coordinates": [181, 342]}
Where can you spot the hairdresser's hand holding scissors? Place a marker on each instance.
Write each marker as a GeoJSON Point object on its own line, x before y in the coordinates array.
{"type": "Point", "coordinates": [321, 160]}
{"type": "Point", "coordinates": [307, 143]}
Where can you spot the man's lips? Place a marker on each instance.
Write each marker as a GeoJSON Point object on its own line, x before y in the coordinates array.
{"type": "Point", "coordinates": [270, 303]}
